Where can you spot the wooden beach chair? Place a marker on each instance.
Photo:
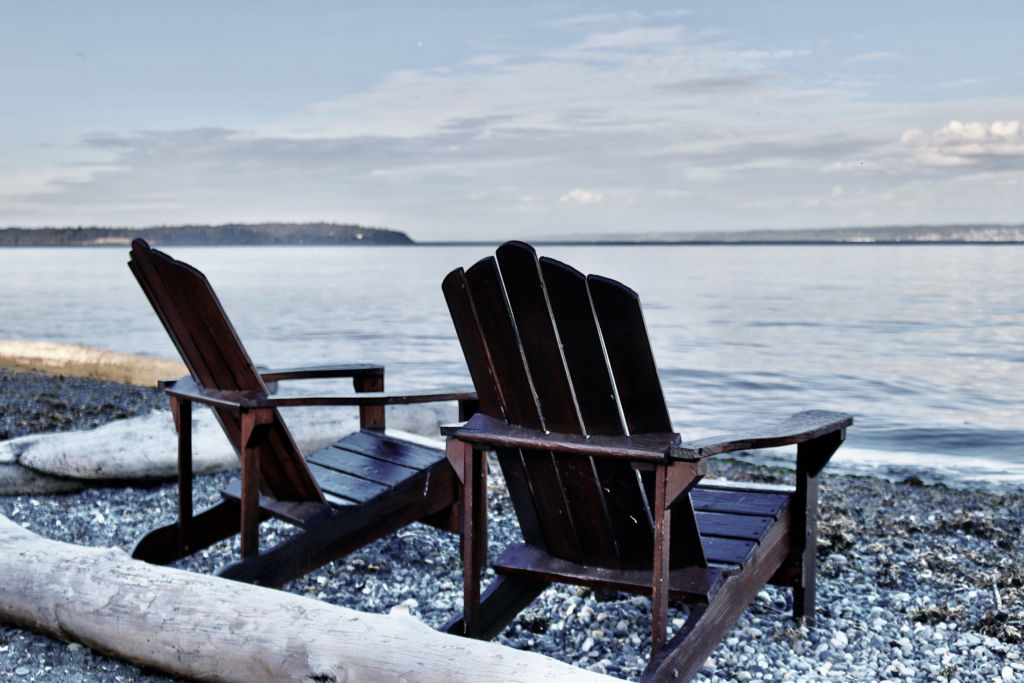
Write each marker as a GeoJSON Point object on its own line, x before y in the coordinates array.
{"type": "Point", "coordinates": [363, 487]}
{"type": "Point", "coordinates": [606, 494]}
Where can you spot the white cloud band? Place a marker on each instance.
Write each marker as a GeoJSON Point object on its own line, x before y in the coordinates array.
{"type": "Point", "coordinates": [579, 196]}
{"type": "Point", "coordinates": [960, 144]}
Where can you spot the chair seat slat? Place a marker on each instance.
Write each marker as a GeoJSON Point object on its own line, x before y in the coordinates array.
{"type": "Point", "coordinates": [346, 485]}
{"type": "Point", "coordinates": [745, 527]}
{"type": "Point", "coordinates": [693, 584]}
{"type": "Point", "coordinates": [745, 502]}
{"type": "Point", "coordinates": [359, 465]}
{"type": "Point", "coordinates": [381, 447]}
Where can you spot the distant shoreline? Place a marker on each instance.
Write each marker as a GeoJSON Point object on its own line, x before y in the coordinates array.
{"type": "Point", "coordinates": [538, 243]}
{"type": "Point", "coordinates": [334, 234]}
{"type": "Point", "coordinates": [544, 243]}
{"type": "Point", "coordinates": [229, 234]}
{"type": "Point", "coordinates": [725, 243]}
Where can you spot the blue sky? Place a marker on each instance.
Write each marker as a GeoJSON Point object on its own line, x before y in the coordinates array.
{"type": "Point", "coordinates": [498, 120]}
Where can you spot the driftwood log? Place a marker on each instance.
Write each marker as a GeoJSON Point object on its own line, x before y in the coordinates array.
{"type": "Point", "coordinates": [206, 628]}
{"type": "Point", "coordinates": [82, 361]}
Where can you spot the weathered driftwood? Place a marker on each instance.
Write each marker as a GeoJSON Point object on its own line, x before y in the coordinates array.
{"type": "Point", "coordinates": [212, 629]}
{"type": "Point", "coordinates": [83, 361]}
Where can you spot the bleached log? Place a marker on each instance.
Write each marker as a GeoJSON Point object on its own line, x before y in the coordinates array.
{"type": "Point", "coordinates": [83, 361]}
{"type": "Point", "coordinates": [206, 628]}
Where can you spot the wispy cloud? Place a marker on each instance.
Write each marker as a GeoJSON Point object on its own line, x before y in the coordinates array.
{"type": "Point", "coordinates": [588, 22]}
{"type": "Point", "coordinates": [875, 58]}
{"type": "Point", "coordinates": [631, 39]}
{"type": "Point", "coordinates": [579, 196]}
{"type": "Point", "coordinates": [972, 143]}
{"type": "Point", "coordinates": [740, 81]}
{"type": "Point", "coordinates": [963, 82]}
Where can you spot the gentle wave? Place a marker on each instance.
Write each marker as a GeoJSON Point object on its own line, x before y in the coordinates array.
{"type": "Point", "coordinates": [957, 470]}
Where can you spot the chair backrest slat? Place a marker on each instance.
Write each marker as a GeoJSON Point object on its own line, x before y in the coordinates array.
{"type": "Point", "coordinates": [197, 324]}
{"type": "Point", "coordinates": [463, 311]}
{"type": "Point", "coordinates": [583, 496]}
{"type": "Point", "coordinates": [625, 503]}
{"type": "Point", "coordinates": [469, 329]}
{"type": "Point", "coordinates": [519, 403]}
{"type": "Point", "coordinates": [629, 354]}
{"type": "Point", "coordinates": [581, 343]}
{"type": "Point", "coordinates": [631, 359]}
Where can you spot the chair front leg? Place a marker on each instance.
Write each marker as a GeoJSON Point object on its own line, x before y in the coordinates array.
{"type": "Point", "coordinates": [471, 466]}
{"type": "Point", "coordinates": [660, 574]}
{"type": "Point", "coordinates": [811, 458]}
{"type": "Point", "coordinates": [672, 484]}
{"type": "Point", "coordinates": [182, 411]}
{"type": "Point", "coordinates": [255, 424]}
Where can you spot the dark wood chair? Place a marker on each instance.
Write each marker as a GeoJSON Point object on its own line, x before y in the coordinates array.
{"type": "Point", "coordinates": [606, 494]}
{"type": "Point", "coordinates": [363, 487]}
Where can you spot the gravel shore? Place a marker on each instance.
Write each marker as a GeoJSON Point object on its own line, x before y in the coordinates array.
{"type": "Point", "coordinates": [914, 583]}
{"type": "Point", "coordinates": [37, 402]}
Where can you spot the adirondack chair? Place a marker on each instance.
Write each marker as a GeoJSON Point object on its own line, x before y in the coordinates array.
{"type": "Point", "coordinates": [606, 494]}
{"type": "Point", "coordinates": [363, 487]}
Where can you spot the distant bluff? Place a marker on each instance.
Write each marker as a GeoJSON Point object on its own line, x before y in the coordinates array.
{"type": "Point", "coordinates": [204, 235]}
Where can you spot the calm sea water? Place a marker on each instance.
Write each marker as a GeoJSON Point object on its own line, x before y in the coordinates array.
{"type": "Point", "coordinates": [923, 344]}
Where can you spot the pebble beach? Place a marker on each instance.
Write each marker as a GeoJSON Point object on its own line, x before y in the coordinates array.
{"type": "Point", "coordinates": [915, 582]}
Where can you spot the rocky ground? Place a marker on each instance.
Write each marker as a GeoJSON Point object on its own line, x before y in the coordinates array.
{"type": "Point", "coordinates": [36, 402]}
{"type": "Point", "coordinates": [915, 582]}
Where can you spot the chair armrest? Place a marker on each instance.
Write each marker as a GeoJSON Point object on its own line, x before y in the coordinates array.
{"type": "Point", "coordinates": [482, 429]}
{"type": "Point", "coordinates": [376, 398]}
{"type": "Point", "coordinates": [451, 429]}
{"type": "Point", "coordinates": [796, 429]}
{"type": "Point", "coordinates": [322, 372]}
{"type": "Point", "coordinates": [187, 389]}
